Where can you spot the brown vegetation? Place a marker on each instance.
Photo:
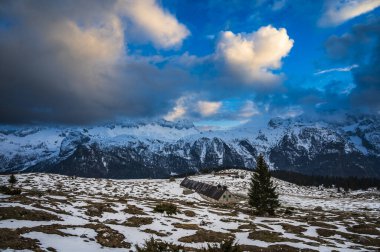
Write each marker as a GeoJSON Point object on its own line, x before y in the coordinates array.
{"type": "Point", "coordinates": [203, 235]}
{"type": "Point", "coordinates": [20, 213]}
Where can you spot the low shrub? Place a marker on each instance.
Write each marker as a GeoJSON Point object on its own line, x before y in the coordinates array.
{"type": "Point", "coordinates": [10, 191]}
{"type": "Point", "coordinates": [289, 210]}
{"type": "Point", "coordinates": [225, 246]}
{"type": "Point", "coordinates": [189, 213]}
{"type": "Point", "coordinates": [36, 192]}
{"type": "Point", "coordinates": [59, 185]}
{"type": "Point", "coordinates": [153, 245]}
{"type": "Point", "coordinates": [167, 208]}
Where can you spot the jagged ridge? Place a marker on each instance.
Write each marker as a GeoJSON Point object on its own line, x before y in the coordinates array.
{"type": "Point", "coordinates": [158, 149]}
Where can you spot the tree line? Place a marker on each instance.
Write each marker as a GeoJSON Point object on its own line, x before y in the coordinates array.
{"type": "Point", "coordinates": [346, 183]}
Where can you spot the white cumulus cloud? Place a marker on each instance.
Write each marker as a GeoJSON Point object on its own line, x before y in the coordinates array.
{"type": "Point", "coordinates": [338, 11]}
{"type": "Point", "coordinates": [104, 44]}
{"type": "Point", "coordinates": [207, 108]}
{"type": "Point", "coordinates": [154, 22]}
{"type": "Point", "coordinates": [249, 109]}
{"type": "Point", "coordinates": [251, 57]}
{"type": "Point", "coordinates": [179, 110]}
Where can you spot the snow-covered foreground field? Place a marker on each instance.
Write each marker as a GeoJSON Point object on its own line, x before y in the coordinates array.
{"type": "Point", "coordinates": [60, 213]}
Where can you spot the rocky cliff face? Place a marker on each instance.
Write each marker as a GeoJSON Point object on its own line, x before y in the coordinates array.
{"type": "Point", "coordinates": [158, 149]}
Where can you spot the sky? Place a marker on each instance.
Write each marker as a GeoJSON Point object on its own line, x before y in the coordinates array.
{"type": "Point", "coordinates": [214, 62]}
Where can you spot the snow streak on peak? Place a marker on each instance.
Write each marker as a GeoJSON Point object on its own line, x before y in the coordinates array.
{"type": "Point", "coordinates": [295, 143]}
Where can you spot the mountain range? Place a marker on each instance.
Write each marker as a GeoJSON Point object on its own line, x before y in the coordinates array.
{"type": "Point", "coordinates": [349, 146]}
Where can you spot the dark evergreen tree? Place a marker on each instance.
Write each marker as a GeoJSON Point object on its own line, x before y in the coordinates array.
{"type": "Point", "coordinates": [12, 180]}
{"type": "Point", "coordinates": [262, 193]}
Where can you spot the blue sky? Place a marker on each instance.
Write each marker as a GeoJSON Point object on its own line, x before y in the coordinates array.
{"type": "Point", "coordinates": [217, 63]}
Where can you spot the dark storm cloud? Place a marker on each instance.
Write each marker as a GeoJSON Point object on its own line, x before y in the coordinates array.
{"type": "Point", "coordinates": [367, 79]}
{"type": "Point", "coordinates": [65, 62]}
{"type": "Point", "coordinates": [353, 46]}
{"type": "Point", "coordinates": [361, 46]}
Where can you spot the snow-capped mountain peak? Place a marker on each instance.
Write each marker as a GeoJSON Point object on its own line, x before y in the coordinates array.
{"type": "Point", "coordinates": [159, 148]}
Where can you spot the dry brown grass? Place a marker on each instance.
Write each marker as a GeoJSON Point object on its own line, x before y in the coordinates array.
{"type": "Point", "coordinates": [370, 229]}
{"type": "Point", "coordinates": [109, 237]}
{"type": "Point", "coordinates": [275, 248]}
{"type": "Point", "coordinates": [231, 213]}
{"type": "Point", "coordinates": [249, 226]}
{"type": "Point", "coordinates": [293, 229]}
{"type": "Point", "coordinates": [47, 229]}
{"type": "Point", "coordinates": [11, 239]}
{"type": "Point", "coordinates": [151, 231]}
{"type": "Point", "coordinates": [322, 224]}
{"type": "Point", "coordinates": [138, 221]}
{"type": "Point", "coordinates": [269, 236]}
{"type": "Point", "coordinates": [363, 240]}
{"type": "Point", "coordinates": [20, 213]}
{"type": "Point", "coordinates": [354, 238]}
{"type": "Point", "coordinates": [326, 232]}
{"type": "Point", "coordinates": [189, 226]}
{"type": "Point", "coordinates": [58, 211]}
{"type": "Point", "coordinates": [22, 199]}
{"type": "Point", "coordinates": [97, 209]}
{"type": "Point", "coordinates": [203, 235]}
{"type": "Point", "coordinates": [189, 213]}
{"type": "Point", "coordinates": [132, 209]}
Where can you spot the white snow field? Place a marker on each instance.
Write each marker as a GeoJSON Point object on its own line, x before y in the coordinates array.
{"type": "Point", "coordinates": [61, 213]}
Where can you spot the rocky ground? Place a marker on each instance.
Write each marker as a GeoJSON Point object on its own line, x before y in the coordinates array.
{"type": "Point", "coordinates": [60, 213]}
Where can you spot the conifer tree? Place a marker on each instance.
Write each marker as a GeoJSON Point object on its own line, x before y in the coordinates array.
{"type": "Point", "coordinates": [262, 193]}
{"type": "Point", "coordinates": [12, 180]}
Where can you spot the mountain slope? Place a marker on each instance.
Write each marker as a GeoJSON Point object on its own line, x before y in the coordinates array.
{"type": "Point", "coordinates": [85, 214]}
{"type": "Point", "coordinates": [158, 149]}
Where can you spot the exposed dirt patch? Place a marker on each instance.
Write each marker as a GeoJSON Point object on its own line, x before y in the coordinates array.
{"type": "Point", "coordinates": [203, 235]}
{"type": "Point", "coordinates": [20, 213]}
